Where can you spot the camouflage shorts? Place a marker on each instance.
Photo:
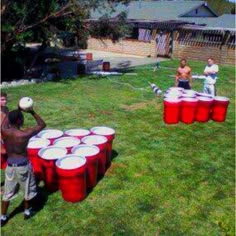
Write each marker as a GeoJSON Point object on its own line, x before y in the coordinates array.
{"type": "Point", "coordinates": [22, 177]}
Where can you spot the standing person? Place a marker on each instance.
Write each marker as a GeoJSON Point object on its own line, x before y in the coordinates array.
{"type": "Point", "coordinates": [183, 77]}
{"type": "Point", "coordinates": [19, 170]}
{"type": "Point", "coordinates": [4, 112]}
{"type": "Point", "coordinates": [211, 73]}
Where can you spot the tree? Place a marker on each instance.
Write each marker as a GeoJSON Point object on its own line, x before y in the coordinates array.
{"type": "Point", "coordinates": [27, 20]}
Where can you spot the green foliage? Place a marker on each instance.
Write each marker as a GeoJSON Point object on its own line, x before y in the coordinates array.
{"type": "Point", "coordinates": [33, 20]}
{"type": "Point", "coordinates": [221, 6]}
{"type": "Point", "coordinates": [167, 180]}
{"type": "Point", "coordinates": [114, 30]}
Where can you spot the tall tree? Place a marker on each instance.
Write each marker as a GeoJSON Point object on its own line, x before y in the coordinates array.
{"type": "Point", "coordinates": [27, 20]}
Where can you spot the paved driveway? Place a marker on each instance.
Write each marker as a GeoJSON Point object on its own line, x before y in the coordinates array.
{"type": "Point", "coordinates": [119, 61]}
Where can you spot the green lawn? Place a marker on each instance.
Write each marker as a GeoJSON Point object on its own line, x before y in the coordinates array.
{"type": "Point", "coordinates": [165, 179]}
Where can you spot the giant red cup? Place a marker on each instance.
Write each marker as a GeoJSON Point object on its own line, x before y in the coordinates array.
{"type": "Point", "coordinates": [71, 171]}
{"type": "Point", "coordinates": [34, 145]}
{"type": "Point", "coordinates": [50, 134]}
{"type": "Point", "coordinates": [67, 142]}
{"type": "Point", "coordinates": [91, 153]}
{"type": "Point", "coordinates": [188, 110]}
{"type": "Point", "coordinates": [49, 156]}
{"type": "Point", "coordinates": [3, 161]}
{"type": "Point", "coordinates": [219, 108]}
{"type": "Point", "coordinates": [101, 143]}
{"type": "Point", "coordinates": [78, 133]}
{"type": "Point", "coordinates": [109, 133]}
{"type": "Point", "coordinates": [203, 111]}
{"type": "Point", "coordinates": [172, 110]}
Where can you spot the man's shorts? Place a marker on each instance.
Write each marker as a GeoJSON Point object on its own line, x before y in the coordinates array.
{"type": "Point", "coordinates": [22, 177]}
{"type": "Point", "coordinates": [184, 84]}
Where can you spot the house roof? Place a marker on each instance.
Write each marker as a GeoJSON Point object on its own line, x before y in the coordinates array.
{"type": "Point", "coordinates": [224, 21]}
{"type": "Point", "coordinates": [152, 10]}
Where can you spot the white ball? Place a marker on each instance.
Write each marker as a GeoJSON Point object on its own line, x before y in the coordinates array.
{"type": "Point", "coordinates": [26, 103]}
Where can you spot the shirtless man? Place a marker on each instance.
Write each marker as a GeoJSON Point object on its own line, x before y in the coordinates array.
{"type": "Point", "coordinates": [183, 77]}
{"type": "Point", "coordinates": [19, 170]}
{"type": "Point", "coordinates": [4, 112]}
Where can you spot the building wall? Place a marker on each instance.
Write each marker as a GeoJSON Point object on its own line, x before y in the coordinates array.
{"type": "Point", "coordinates": [192, 51]}
{"type": "Point", "coordinates": [126, 46]}
{"type": "Point", "coordinates": [202, 51]}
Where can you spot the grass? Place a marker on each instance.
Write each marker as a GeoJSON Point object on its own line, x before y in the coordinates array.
{"type": "Point", "coordinates": [165, 180]}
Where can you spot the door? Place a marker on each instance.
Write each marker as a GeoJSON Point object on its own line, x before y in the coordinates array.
{"type": "Point", "coordinates": [163, 44]}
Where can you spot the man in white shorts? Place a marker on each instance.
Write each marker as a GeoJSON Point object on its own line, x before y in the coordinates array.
{"type": "Point", "coordinates": [211, 73]}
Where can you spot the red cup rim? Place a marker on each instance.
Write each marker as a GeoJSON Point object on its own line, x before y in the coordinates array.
{"type": "Point", "coordinates": [50, 133]}
{"type": "Point", "coordinates": [221, 99]}
{"type": "Point", "coordinates": [173, 100]}
{"type": "Point", "coordinates": [103, 130]}
{"type": "Point", "coordinates": [207, 99]}
{"type": "Point", "coordinates": [92, 150]}
{"type": "Point", "coordinates": [66, 142]}
{"type": "Point", "coordinates": [94, 139]}
{"type": "Point", "coordinates": [71, 162]}
{"type": "Point", "coordinates": [50, 153]}
{"type": "Point", "coordinates": [37, 143]}
{"type": "Point", "coordinates": [77, 132]}
{"type": "Point", "coordinates": [189, 99]}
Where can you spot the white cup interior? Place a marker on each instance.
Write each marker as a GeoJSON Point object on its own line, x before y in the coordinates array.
{"type": "Point", "coordinates": [50, 133]}
{"type": "Point", "coordinates": [66, 142]}
{"type": "Point", "coordinates": [85, 150]}
{"type": "Point", "coordinates": [52, 153]}
{"type": "Point", "coordinates": [94, 139]}
{"type": "Point", "coordinates": [77, 132]}
{"type": "Point", "coordinates": [38, 143]}
{"type": "Point", "coordinates": [102, 130]}
{"type": "Point", "coordinates": [70, 162]}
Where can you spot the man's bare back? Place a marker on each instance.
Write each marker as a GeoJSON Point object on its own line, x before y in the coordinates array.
{"type": "Point", "coordinates": [15, 139]}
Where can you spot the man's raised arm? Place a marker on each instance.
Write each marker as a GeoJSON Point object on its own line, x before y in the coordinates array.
{"type": "Point", "coordinates": [40, 124]}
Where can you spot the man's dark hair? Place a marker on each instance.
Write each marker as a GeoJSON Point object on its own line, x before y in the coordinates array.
{"type": "Point", "coordinates": [16, 117]}
{"type": "Point", "coordinates": [183, 59]}
{"type": "Point", "coordinates": [3, 94]}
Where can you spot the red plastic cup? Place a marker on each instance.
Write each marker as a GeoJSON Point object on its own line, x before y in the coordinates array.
{"type": "Point", "coordinates": [172, 110]}
{"type": "Point", "coordinates": [71, 171]}
{"type": "Point", "coordinates": [219, 108]}
{"type": "Point", "coordinates": [50, 134]}
{"type": "Point", "coordinates": [109, 133]}
{"type": "Point", "coordinates": [78, 133]}
{"type": "Point", "coordinates": [188, 110]}
{"type": "Point", "coordinates": [101, 143]}
{"type": "Point", "coordinates": [67, 142]}
{"type": "Point", "coordinates": [49, 156]}
{"type": "Point", "coordinates": [91, 153]}
{"type": "Point", "coordinates": [203, 109]}
{"type": "Point", "coordinates": [3, 161]}
{"type": "Point", "coordinates": [34, 145]}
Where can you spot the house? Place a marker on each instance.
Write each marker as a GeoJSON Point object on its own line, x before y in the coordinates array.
{"type": "Point", "coordinates": [160, 28]}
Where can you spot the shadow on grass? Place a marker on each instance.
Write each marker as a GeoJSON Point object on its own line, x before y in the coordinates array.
{"type": "Point", "coordinates": [37, 203]}
{"type": "Point", "coordinates": [114, 154]}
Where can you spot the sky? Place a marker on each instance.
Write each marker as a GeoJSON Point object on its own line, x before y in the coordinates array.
{"type": "Point", "coordinates": [232, 1]}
